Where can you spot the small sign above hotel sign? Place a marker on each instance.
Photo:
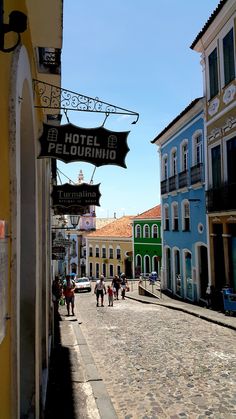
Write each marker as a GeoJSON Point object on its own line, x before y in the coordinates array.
{"type": "Point", "coordinates": [97, 146]}
{"type": "Point", "coordinates": [82, 195]}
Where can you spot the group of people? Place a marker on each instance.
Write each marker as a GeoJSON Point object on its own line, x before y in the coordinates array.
{"type": "Point", "coordinates": [63, 290]}
{"type": "Point", "coordinates": [117, 284]}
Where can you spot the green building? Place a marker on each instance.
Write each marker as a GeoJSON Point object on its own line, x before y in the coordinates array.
{"type": "Point", "coordinates": [147, 242]}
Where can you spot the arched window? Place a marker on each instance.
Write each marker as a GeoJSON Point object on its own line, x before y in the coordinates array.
{"type": "Point", "coordinates": [173, 162]}
{"type": "Point", "coordinates": [166, 217]}
{"type": "Point", "coordinates": [155, 234]}
{"type": "Point", "coordinates": [104, 252]}
{"type": "Point", "coordinates": [185, 216]}
{"type": "Point", "coordinates": [197, 148]}
{"type": "Point", "coordinates": [118, 254]}
{"type": "Point", "coordinates": [90, 250]}
{"type": "Point", "coordinates": [146, 231]}
{"type": "Point", "coordinates": [97, 251]}
{"type": "Point", "coordinates": [137, 231]}
{"type": "Point", "coordinates": [138, 265]}
{"type": "Point", "coordinates": [110, 252]}
{"type": "Point", "coordinates": [175, 217]}
{"type": "Point", "coordinates": [164, 167]}
{"type": "Point", "coordinates": [184, 156]}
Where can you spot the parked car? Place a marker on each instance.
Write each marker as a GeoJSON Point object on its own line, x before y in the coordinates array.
{"type": "Point", "coordinates": [82, 284]}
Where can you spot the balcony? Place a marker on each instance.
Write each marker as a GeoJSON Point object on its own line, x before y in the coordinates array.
{"type": "Point", "coordinates": [164, 186]}
{"type": "Point", "coordinates": [172, 183]}
{"type": "Point", "coordinates": [183, 179]}
{"type": "Point", "coordinates": [222, 198]}
{"type": "Point", "coordinates": [196, 174]}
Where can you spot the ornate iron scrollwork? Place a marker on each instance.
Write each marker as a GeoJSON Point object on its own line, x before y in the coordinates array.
{"type": "Point", "coordinates": [54, 97]}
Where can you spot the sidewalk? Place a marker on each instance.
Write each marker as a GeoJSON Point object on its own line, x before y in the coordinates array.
{"type": "Point", "coordinates": [75, 388]}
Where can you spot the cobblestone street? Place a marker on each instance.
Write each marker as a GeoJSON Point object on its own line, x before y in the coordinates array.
{"type": "Point", "coordinates": [160, 363]}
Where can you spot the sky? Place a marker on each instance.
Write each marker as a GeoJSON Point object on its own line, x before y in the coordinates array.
{"type": "Point", "coordinates": [134, 54]}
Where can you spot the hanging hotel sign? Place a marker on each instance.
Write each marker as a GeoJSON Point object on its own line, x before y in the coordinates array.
{"type": "Point", "coordinates": [68, 195]}
{"type": "Point", "coordinates": [98, 146]}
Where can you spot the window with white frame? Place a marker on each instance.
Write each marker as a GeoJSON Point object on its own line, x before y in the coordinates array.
{"type": "Point", "coordinates": [228, 57]}
{"type": "Point", "coordinates": [104, 253]}
{"type": "Point", "coordinates": [164, 167]}
{"type": "Point", "coordinates": [155, 234]}
{"type": "Point", "coordinates": [173, 162]}
{"type": "Point", "coordinates": [110, 252]}
{"type": "Point", "coordinates": [90, 251]}
{"type": "Point", "coordinates": [186, 216]}
{"type": "Point", "coordinates": [137, 231]}
{"type": "Point", "coordinates": [97, 253]}
{"type": "Point", "coordinates": [197, 148]}
{"type": "Point", "coordinates": [146, 231]}
{"type": "Point", "coordinates": [213, 73]}
{"type": "Point", "coordinates": [175, 216]}
{"type": "Point", "coordinates": [97, 270]}
{"type": "Point", "coordinates": [90, 269]}
{"type": "Point", "coordinates": [166, 217]}
{"type": "Point", "coordinates": [111, 271]}
{"type": "Point", "coordinates": [118, 254]}
{"type": "Point", "coordinates": [184, 156]}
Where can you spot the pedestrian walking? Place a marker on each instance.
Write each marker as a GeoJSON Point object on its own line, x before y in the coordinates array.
{"type": "Point", "coordinates": [110, 296]}
{"type": "Point", "coordinates": [123, 284]}
{"type": "Point", "coordinates": [100, 290]}
{"type": "Point", "coordinates": [69, 293]}
{"type": "Point", "coordinates": [116, 286]}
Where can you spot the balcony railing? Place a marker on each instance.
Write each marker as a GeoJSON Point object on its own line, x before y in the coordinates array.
{"type": "Point", "coordinates": [172, 183]}
{"type": "Point", "coordinates": [196, 173]}
{"type": "Point", "coordinates": [164, 186]}
{"type": "Point", "coordinates": [183, 178]}
{"type": "Point", "coordinates": [222, 198]}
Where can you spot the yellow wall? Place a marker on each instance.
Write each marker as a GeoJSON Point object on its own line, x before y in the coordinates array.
{"type": "Point", "coordinates": [125, 246]}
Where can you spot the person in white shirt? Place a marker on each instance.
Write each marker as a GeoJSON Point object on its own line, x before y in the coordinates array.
{"type": "Point", "coordinates": [100, 290]}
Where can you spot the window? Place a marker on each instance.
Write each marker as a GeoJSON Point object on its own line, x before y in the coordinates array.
{"type": "Point", "coordinates": [166, 217]}
{"type": "Point", "coordinates": [118, 270]}
{"type": "Point", "coordinates": [118, 253]}
{"type": "Point", "coordinates": [97, 252]}
{"type": "Point", "coordinates": [164, 168]}
{"type": "Point", "coordinates": [186, 216]}
{"type": "Point", "coordinates": [138, 231]}
{"type": "Point", "coordinates": [104, 253]}
{"type": "Point", "coordinates": [198, 149]}
{"type": "Point", "coordinates": [216, 166]}
{"type": "Point", "coordinates": [184, 156]}
{"type": "Point", "coordinates": [231, 159]}
{"type": "Point", "coordinates": [110, 252]}
{"type": "Point", "coordinates": [104, 270]}
{"type": "Point", "coordinates": [97, 270]}
{"type": "Point", "coordinates": [228, 54]}
{"type": "Point", "coordinates": [146, 231]}
{"type": "Point", "coordinates": [111, 271]}
{"type": "Point", "coordinates": [173, 162]}
{"type": "Point", "coordinates": [175, 217]}
{"type": "Point", "coordinates": [155, 231]}
{"type": "Point", "coordinates": [213, 73]}
{"type": "Point", "coordinates": [91, 251]}
{"type": "Point", "coordinates": [90, 270]}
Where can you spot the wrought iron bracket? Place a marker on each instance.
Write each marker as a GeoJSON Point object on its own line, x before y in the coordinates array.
{"type": "Point", "coordinates": [54, 97]}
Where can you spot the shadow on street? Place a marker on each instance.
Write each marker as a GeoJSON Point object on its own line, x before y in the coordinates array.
{"type": "Point", "coordinates": [59, 401]}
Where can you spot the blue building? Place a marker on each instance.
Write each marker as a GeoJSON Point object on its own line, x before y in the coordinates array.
{"type": "Point", "coordinates": [184, 245]}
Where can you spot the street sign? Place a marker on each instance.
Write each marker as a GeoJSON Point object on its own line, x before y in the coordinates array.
{"type": "Point", "coordinates": [68, 195]}
{"type": "Point", "coordinates": [98, 146]}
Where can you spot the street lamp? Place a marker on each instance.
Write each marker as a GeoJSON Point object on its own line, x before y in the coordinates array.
{"type": "Point", "coordinates": [74, 219]}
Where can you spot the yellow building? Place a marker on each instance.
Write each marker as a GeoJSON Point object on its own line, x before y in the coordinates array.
{"type": "Point", "coordinates": [217, 44]}
{"type": "Point", "coordinates": [27, 52]}
{"type": "Point", "coordinates": [109, 249]}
